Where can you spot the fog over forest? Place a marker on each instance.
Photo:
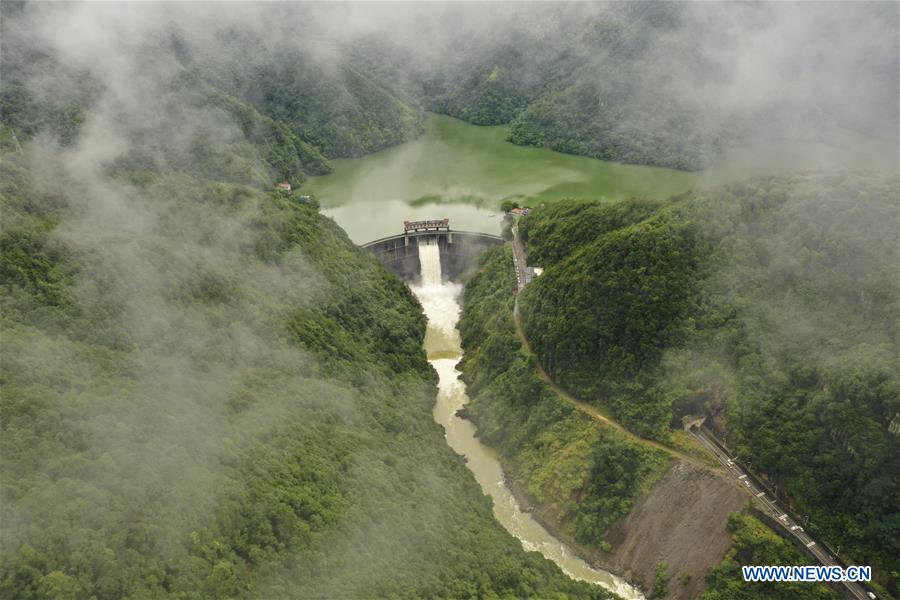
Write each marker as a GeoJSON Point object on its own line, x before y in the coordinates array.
{"type": "Point", "coordinates": [179, 340]}
{"type": "Point", "coordinates": [721, 71]}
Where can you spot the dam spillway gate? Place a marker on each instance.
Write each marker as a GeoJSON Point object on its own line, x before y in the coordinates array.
{"type": "Point", "coordinates": [459, 250]}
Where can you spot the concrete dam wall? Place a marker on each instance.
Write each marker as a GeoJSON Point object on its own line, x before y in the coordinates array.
{"type": "Point", "coordinates": [459, 251]}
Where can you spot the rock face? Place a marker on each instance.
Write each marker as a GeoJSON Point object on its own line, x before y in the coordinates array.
{"type": "Point", "coordinates": [681, 521]}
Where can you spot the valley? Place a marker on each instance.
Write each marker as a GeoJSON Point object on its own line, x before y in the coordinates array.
{"type": "Point", "coordinates": [274, 322]}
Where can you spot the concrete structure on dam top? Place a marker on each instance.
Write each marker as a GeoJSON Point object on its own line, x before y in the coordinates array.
{"type": "Point", "coordinates": [459, 250]}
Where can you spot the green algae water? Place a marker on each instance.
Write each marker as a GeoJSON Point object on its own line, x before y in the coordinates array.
{"type": "Point", "coordinates": [463, 172]}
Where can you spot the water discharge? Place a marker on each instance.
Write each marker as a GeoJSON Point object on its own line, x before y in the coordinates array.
{"type": "Point", "coordinates": [440, 299]}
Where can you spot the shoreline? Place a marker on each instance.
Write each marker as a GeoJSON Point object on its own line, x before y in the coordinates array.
{"type": "Point", "coordinates": [594, 558]}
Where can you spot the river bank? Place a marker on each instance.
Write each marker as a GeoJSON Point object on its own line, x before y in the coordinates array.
{"type": "Point", "coordinates": [440, 301]}
{"type": "Point", "coordinates": [680, 522]}
{"type": "Point", "coordinates": [634, 506]}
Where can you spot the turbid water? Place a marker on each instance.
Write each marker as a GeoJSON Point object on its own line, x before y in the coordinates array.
{"type": "Point", "coordinates": [464, 172]}
{"type": "Point", "coordinates": [440, 299]}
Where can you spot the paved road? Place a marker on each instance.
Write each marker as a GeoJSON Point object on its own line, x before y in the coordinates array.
{"type": "Point", "coordinates": [519, 258]}
{"type": "Point", "coordinates": [774, 509]}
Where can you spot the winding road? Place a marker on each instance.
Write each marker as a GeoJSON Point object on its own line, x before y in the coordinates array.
{"type": "Point", "coordinates": [592, 411]}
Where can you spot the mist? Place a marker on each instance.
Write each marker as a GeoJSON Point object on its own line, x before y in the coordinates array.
{"type": "Point", "coordinates": [723, 72]}
{"type": "Point", "coordinates": [182, 284]}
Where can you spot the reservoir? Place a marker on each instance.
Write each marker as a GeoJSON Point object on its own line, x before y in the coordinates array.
{"type": "Point", "coordinates": [463, 172]}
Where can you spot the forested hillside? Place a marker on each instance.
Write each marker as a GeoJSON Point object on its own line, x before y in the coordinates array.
{"type": "Point", "coordinates": [584, 477]}
{"type": "Point", "coordinates": [647, 83]}
{"type": "Point", "coordinates": [770, 306]}
{"type": "Point", "coordinates": [331, 104]}
{"type": "Point", "coordinates": [672, 84]}
{"type": "Point", "coordinates": [208, 391]}
{"type": "Point", "coordinates": [602, 110]}
{"type": "Point", "coordinates": [227, 138]}
{"type": "Point", "coordinates": [571, 86]}
{"type": "Point", "coordinates": [227, 108]}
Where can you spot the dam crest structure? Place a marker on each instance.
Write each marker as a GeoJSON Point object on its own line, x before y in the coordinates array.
{"type": "Point", "coordinates": [459, 250]}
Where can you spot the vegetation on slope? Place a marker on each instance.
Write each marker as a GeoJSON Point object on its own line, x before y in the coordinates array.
{"type": "Point", "coordinates": [770, 306]}
{"type": "Point", "coordinates": [498, 82]}
{"type": "Point", "coordinates": [665, 83]}
{"type": "Point", "coordinates": [281, 111]}
{"type": "Point", "coordinates": [578, 90]}
{"type": "Point", "coordinates": [602, 317]}
{"type": "Point", "coordinates": [208, 391]}
{"type": "Point", "coordinates": [583, 475]}
{"type": "Point", "coordinates": [756, 544]}
{"type": "Point", "coordinates": [332, 105]}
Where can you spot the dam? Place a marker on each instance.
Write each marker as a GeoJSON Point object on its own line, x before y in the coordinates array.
{"type": "Point", "coordinates": [458, 250]}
